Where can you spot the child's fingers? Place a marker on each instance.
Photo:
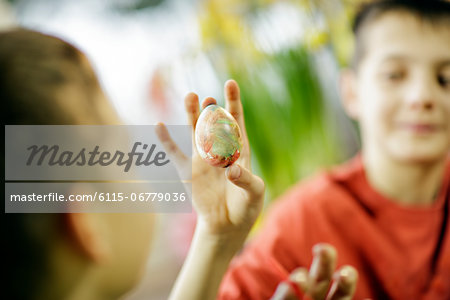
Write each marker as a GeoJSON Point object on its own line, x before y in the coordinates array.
{"type": "Point", "coordinates": [233, 100]}
{"type": "Point", "coordinates": [234, 106]}
{"type": "Point", "coordinates": [315, 283]}
{"type": "Point", "coordinates": [208, 101]}
{"type": "Point", "coordinates": [344, 284]}
{"type": "Point", "coordinates": [170, 146]}
{"type": "Point", "coordinates": [300, 277]}
{"type": "Point", "coordinates": [243, 178]}
{"type": "Point", "coordinates": [192, 109]}
{"type": "Point", "coordinates": [321, 271]}
{"type": "Point", "coordinates": [285, 290]}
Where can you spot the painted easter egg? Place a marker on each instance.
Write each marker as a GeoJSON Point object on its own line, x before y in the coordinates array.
{"type": "Point", "coordinates": [218, 137]}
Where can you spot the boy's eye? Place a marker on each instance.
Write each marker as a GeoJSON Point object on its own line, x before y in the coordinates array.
{"type": "Point", "coordinates": [394, 76]}
{"type": "Point", "coordinates": [444, 81]}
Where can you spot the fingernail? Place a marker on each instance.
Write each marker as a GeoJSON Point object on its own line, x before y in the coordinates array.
{"type": "Point", "coordinates": [317, 249]}
{"type": "Point", "coordinates": [298, 276]}
{"type": "Point", "coordinates": [347, 274]}
{"type": "Point", "coordinates": [234, 172]}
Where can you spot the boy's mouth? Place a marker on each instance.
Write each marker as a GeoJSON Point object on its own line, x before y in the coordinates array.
{"type": "Point", "coordinates": [420, 128]}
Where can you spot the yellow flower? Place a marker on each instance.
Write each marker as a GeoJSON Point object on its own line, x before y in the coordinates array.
{"type": "Point", "coordinates": [315, 39]}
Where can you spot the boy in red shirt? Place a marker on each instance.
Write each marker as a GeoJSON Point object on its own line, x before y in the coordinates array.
{"type": "Point", "coordinates": [386, 211]}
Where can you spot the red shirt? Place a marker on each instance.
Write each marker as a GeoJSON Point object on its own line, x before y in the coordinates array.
{"type": "Point", "coordinates": [400, 252]}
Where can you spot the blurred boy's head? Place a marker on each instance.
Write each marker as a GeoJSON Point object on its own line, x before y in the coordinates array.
{"type": "Point", "coordinates": [46, 81]}
{"type": "Point", "coordinates": [399, 85]}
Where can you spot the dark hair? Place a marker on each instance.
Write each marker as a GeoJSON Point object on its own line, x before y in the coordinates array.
{"type": "Point", "coordinates": [34, 70]}
{"type": "Point", "coordinates": [431, 11]}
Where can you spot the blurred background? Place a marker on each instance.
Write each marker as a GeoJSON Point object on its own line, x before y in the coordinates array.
{"type": "Point", "coordinates": [148, 54]}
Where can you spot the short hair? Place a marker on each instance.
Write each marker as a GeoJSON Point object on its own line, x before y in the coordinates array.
{"type": "Point", "coordinates": [35, 68]}
{"type": "Point", "coordinates": [430, 11]}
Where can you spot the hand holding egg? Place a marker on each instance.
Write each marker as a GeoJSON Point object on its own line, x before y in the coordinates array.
{"type": "Point", "coordinates": [226, 195]}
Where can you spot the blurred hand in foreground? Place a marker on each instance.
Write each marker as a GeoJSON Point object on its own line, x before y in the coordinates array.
{"type": "Point", "coordinates": [321, 282]}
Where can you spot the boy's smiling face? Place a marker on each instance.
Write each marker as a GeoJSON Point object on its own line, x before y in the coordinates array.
{"type": "Point", "coordinates": [401, 92]}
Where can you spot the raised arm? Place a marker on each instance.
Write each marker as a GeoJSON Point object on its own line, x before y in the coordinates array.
{"type": "Point", "coordinates": [227, 201]}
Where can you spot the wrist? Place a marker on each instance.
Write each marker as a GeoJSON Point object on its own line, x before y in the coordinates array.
{"type": "Point", "coordinates": [225, 242]}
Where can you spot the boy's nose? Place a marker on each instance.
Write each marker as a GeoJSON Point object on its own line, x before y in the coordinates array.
{"type": "Point", "coordinates": [422, 103]}
{"type": "Point", "coordinates": [421, 95]}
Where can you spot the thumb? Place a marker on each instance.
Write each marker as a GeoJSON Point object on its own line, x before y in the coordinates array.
{"type": "Point", "coordinates": [243, 178]}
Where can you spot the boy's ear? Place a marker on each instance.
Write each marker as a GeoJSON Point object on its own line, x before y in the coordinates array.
{"type": "Point", "coordinates": [86, 235]}
{"type": "Point", "coordinates": [87, 232]}
{"type": "Point", "coordinates": [349, 95]}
